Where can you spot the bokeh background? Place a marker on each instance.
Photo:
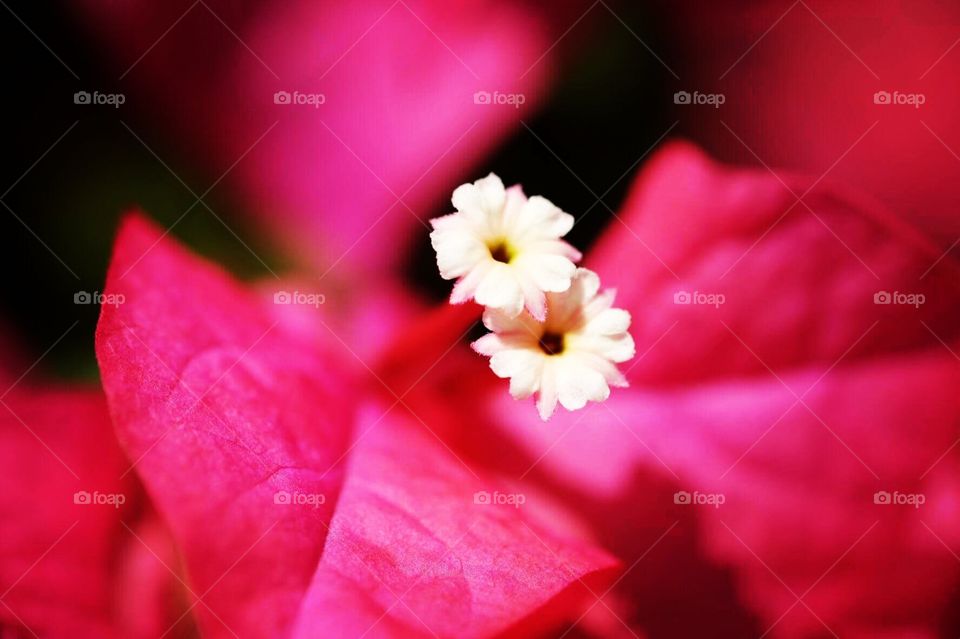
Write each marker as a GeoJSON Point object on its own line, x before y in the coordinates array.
{"type": "Point", "coordinates": [796, 79]}
{"type": "Point", "coordinates": [605, 107]}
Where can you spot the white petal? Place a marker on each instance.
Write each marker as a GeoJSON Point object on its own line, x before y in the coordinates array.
{"type": "Point", "coordinates": [618, 348]}
{"type": "Point", "coordinates": [499, 322]}
{"type": "Point", "coordinates": [547, 396]}
{"type": "Point", "coordinates": [621, 349]}
{"type": "Point", "coordinates": [513, 207]}
{"type": "Point", "coordinates": [552, 247]}
{"type": "Point", "coordinates": [508, 363]}
{"type": "Point", "coordinates": [481, 202]}
{"type": "Point", "coordinates": [587, 282]}
{"type": "Point", "coordinates": [521, 325]}
{"type": "Point", "coordinates": [525, 384]}
{"type": "Point", "coordinates": [534, 299]}
{"type": "Point", "coordinates": [524, 368]}
{"type": "Point", "coordinates": [489, 344]}
{"type": "Point", "coordinates": [606, 368]}
{"type": "Point", "coordinates": [453, 221]}
{"type": "Point", "coordinates": [578, 383]}
{"type": "Point", "coordinates": [611, 321]}
{"type": "Point", "coordinates": [600, 303]}
{"type": "Point", "coordinates": [541, 219]}
{"type": "Point", "coordinates": [499, 289]}
{"type": "Point", "coordinates": [551, 273]}
{"type": "Point", "coordinates": [457, 252]}
{"type": "Point", "coordinates": [466, 286]}
{"type": "Point", "coordinates": [566, 308]}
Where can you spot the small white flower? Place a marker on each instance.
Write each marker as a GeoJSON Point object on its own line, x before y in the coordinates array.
{"type": "Point", "coordinates": [571, 356]}
{"type": "Point", "coordinates": [504, 249]}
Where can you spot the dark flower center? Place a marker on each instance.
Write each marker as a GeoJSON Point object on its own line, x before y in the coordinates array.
{"type": "Point", "coordinates": [500, 253]}
{"type": "Point", "coordinates": [551, 343]}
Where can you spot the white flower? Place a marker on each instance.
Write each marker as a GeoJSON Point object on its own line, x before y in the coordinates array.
{"type": "Point", "coordinates": [571, 356]}
{"type": "Point", "coordinates": [504, 249]}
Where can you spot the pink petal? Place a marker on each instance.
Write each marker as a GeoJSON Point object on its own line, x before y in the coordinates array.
{"type": "Point", "coordinates": [369, 320]}
{"type": "Point", "coordinates": [798, 283]}
{"type": "Point", "coordinates": [150, 595]}
{"type": "Point", "coordinates": [412, 554]}
{"type": "Point", "coordinates": [57, 556]}
{"type": "Point", "coordinates": [792, 117]}
{"type": "Point", "coordinates": [220, 408]}
{"type": "Point", "coordinates": [426, 343]}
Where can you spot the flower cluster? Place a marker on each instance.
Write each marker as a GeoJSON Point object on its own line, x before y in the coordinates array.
{"type": "Point", "coordinates": [553, 332]}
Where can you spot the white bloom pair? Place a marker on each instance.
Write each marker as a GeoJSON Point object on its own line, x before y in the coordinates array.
{"type": "Point", "coordinates": [553, 334]}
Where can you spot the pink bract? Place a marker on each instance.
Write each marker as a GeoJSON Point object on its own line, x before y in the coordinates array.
{"type": "Point", "coordinates": [797, 398]}
{"type": "Point", "coordinates": [299, 510]}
